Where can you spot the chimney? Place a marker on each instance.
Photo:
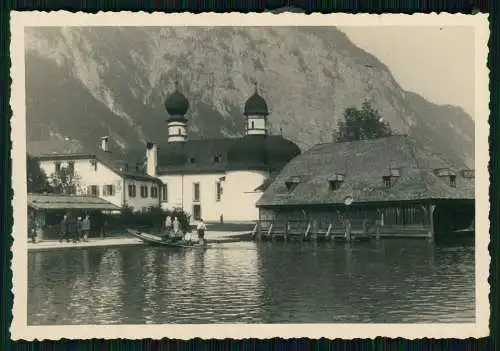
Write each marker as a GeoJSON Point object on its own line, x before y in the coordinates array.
{"type": "Point", "coordinates": [151, 159]}
{"type": "Point", "coordinates": [104, 143]}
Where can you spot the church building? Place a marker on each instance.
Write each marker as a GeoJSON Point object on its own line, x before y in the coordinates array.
{"type": "Point", "coordinates": [217, 179]}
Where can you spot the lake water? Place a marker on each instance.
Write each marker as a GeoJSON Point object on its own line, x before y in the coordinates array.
{"type": "Point", "coordinates": [390, 281]}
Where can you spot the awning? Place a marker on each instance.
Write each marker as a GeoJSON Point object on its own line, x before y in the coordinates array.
{"type": "Point", "coordinates": [62, 202]}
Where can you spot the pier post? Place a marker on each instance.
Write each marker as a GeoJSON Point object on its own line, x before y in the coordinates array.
{"type": "Point", "coordinates": [377, 228]}
{"type": "Point", "coordinates": [255, 231]}
{"type": "Point", "coordinates": [432, 208]}
{"type": "Point", "coordinates": [327, 236]}
{"type": "Point", "coordinates": [306, 234]}
{"type": "Point", "coordinates": [285, 235]}
{"type": "Point", "coordinates": [269, 232]}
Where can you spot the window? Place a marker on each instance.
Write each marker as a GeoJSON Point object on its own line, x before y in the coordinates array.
{"type": "Point", "coordinates": [71, 167]}
{"type": "Point", "coordinates": [196, 192]}
{"type": "Point", "coordinates": [335, 184]}
{"type": "Point", "coordinates": [57, 166]}
{"type": "Point", "coordinates": [132, 190]}
{"type": "Point", "coordinates": [252, 125]}
{"type": "Point", "coordinates": [93, 190]}
{"type": "Point", "coordinates": [196, 212]}
{"type": "Point", "coordinates": [453, 181]}
{"type": "Point", "coordinates": [179, 131]}
{"type": "Point", "coordinates": [217, 159]}
{"type": "Point", "coordinates": [154, 192]}
{"type": "Point", "coordinates": [144, 191]}
{"type": "Point", "coordinates": [108, 190]}
{"type": "Point", "coordinates": [164, 193]}
{"type": "Point", "coordinates": [191, 160]}
{"type": "Point", "coordinates": [218, 191]}
{"type": "Point", "coordinates": [93, 164]}
{"type": "Point", "coordinates": [387, 181]}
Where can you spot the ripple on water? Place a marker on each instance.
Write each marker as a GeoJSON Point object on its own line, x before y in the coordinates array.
{"type": "Point", "coordinates": [394, 281]}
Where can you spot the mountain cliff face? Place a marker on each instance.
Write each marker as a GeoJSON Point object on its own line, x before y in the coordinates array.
{"type": "Point", "coordinates": [87, 82]}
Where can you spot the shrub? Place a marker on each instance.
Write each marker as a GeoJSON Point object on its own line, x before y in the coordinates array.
{"type": "Point", "coordinates": [154, 218]}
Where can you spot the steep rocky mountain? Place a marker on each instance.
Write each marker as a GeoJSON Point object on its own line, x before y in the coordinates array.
{"type": "Point", "coordinates": [84, 82]}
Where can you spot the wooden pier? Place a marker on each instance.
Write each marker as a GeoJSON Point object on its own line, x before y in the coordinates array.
{"type": "Point", "coordinates": [325, 231]}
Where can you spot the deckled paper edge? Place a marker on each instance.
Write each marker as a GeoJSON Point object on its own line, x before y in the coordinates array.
{"type": "Point", "coordinates": [20, 329]}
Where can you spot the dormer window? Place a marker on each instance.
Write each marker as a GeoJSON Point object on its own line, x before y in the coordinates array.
{"type": "Point", "coordinates": [291, 183]}
{"type": "Point", "coordinates": [453, 181]}
{"type": "Point", "coordinates": [191, 160]}
{"type": "Point", "coordinates": [138, 167]}
{"type": "Point", "coordinates": [217, 159]}
{"type": "Point", "coordinates": [336, 181]}
{"type": "Point", "coordinates": [444, 173]}
{"type": "Point", "coordinates": [387, 181]}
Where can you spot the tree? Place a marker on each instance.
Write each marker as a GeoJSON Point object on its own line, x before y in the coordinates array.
{"type": "Point", "coordinates": [65, 181]}
{"type": "Point", "coordinates": [37, 181]}
{"type": "Point", "coordinates": [362, 124]}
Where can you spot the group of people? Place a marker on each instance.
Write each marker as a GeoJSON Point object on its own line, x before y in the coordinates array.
{"type": "Point", "coordinates": [75, 229]}
{"type": "Point", "coordinates": [173, 231]}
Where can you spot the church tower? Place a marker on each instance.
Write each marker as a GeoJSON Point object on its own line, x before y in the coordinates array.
{"type": "Point", "coordinates": [177, 105]}
{"type": "Point", "coordinates": [256, 113]}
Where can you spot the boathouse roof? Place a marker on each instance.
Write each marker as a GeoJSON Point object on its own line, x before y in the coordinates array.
{"type": "Point", "coordinates": [62, 202]}
{"type": "Point", "coordinates": [128, 164]}
{"type": "Point", "coordinates": [382, 170]}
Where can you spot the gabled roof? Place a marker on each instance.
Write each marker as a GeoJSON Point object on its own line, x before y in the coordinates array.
{"type": "Point", "coordinates": [118, 160]}
{"type": "Point", "coordinates": [61, 202]}
{"type": "Point", "coordinates": [364, 164]}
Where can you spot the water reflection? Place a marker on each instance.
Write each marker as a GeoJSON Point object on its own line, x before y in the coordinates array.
{"type": "Point", "coordinates": [387, 281]}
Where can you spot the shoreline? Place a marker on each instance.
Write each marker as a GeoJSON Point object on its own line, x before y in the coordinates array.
{"type": "Point", "coordinates": [211, 238]}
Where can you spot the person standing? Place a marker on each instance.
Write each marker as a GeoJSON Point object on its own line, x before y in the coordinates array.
{"type": "Point", "coordinates": [168, 225]}
{"type": "Point", "coordinates": [79, 229]}
{"type": "Point", "coordinates": [176, 228]}
{"type": "Point", "coordinates": [86, 228]}
{"type": "Point", "coordinates": [72, 228]}
{"type": "Point", "coordinates": [63, 230]}
{"type": "Point", "coordinates": [201, 231]}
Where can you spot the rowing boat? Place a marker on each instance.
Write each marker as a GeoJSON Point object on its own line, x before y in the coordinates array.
{"type": "Point", "coordinates": [157, 240]}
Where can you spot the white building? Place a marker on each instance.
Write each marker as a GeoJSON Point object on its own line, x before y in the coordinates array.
{"type": "Point", "coordinates": [103, 172]}
{"type": "Point", "coordinates": [217, 179]}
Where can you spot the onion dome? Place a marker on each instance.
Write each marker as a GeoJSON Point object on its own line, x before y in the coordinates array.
{"type": "Point", "coordinates": [176, 103]}
{"type": "Point", "coordinates": [256, 105]}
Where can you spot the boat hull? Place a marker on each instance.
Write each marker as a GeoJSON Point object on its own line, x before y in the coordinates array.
{"type": "Point", "coordinates": [156, 240]}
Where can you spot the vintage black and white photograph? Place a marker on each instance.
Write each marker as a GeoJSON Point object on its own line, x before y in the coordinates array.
{"type": "Point", "coordinates": [195, 175]}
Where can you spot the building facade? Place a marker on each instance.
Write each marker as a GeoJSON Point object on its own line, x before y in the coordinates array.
{"type": "Point", "coordinates": [217, 179]}
{"type": "Point", "coordinates": [391, 183]}
{"type": "Point", "coordinates": [100, 172]}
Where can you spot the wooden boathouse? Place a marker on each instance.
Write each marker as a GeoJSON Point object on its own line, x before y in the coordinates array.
{"type": "Point", "coordinates": [45, 211]}
{"type": "Point", "coordinates": [386, 187]}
